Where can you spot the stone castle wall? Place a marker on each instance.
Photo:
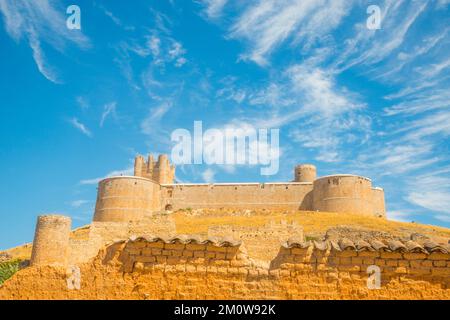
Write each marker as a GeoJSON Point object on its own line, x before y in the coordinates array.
{"type": "Point", "coordinates": [337, 193]}
{"type": "Point", "coordinates": [289, 196]}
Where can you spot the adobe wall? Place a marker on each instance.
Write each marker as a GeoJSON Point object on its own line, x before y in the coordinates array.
{"type": "Point", "coordinates": [191, 269]}
{"type": "Point", "coordinates": [289, 196]}
{"type": "Point", "coordinates": [102, 233]}
{"type": "Point", "coordinates": [122, 199]}
{"type": "Point", "coordinates": [271, 234]}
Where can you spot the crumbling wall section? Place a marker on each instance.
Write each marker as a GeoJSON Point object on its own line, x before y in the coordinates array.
{"type": "Point", "coordinates": [192, 268]}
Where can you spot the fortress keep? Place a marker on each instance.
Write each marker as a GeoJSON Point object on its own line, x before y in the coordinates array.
{"type": "Point", "coordinates": [153, 189]}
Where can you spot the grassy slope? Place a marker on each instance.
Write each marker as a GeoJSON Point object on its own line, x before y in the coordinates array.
{"type": "Point", "coordinates": [314, 223]}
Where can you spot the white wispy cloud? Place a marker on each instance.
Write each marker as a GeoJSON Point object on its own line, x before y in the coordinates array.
{"type": "Point", "coordinates": [397, 157]}
{"type": "Point", "coordinates": [80, 126]}
{"type": "Point", "coordinates": [321, 92]}
{"type": "Point", "coordinates": [432, 191]}
{"type": "Point", "coordinates": [79, 203]}
{"type": "Point", "coordinates": [157, 48]}
{"type": "Point", "coordinates": [369, 47]}
{"type": "Point", "coordinates": [269, 23]}
{"type": "Point", "coordinates": [150, 123]}
{"type": "Point", "coordinates": [213, 8]}
{"type": "Point", "coordinates": [321, 115]}
{"type": "Point", "coordinates": [109, 108]}
{"type": "Point", "coordinates": [40, 21]}
{"type": "Point", "coordinates": [426, 126]}
{"type": "Point", "coordinates": [82, 102]}
{"type": "Point", "coordinates": [116, 20]}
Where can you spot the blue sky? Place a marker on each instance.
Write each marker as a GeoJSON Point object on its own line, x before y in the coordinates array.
{"type": "Point", "coordinates": [77, 105]}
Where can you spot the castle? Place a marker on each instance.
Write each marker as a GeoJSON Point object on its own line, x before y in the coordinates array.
{"type": "Point", "coordinates": [133, 248]}
{"type": "Point", "coordinates": [130, 205]}
{"type": "Point", "coordinates": [153, 189]}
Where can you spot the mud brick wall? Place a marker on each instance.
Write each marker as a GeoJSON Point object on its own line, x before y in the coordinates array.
{"type": "Point", "coordinates": [204, 269]}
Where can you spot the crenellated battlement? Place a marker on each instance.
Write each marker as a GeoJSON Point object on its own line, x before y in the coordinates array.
{"type": "Point", "coordinates": [160, 171]}
{"type": "Point", "coordinates": [343, 193]}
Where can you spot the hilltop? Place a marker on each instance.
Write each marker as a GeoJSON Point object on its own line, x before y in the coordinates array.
{"type": "Point", "coordinates": [316, 225]}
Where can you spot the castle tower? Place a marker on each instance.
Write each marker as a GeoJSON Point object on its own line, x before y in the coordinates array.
{"type": "Point", "coordinates": [162, 167]}
{"type": "Point", "coordinates": [164, 171]}
{"type": "Point", "coordinates": [124, 199]}
{"type": "Point", "coordinates": [150, 165]}
{"type": "Point", "coordinates": [161, 171]}
{"type": "Point", "coordinates": [343, 193]}
{"type": "Point", "coordinates": [51, 240]}
{"type": "Point", "coordinates": [305, 173]}
{"type": "Point", "coordinates": [379, 206]}
{"type": "Point", "coordinates": [139, 165]}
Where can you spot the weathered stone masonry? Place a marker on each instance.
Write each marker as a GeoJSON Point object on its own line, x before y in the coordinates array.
{"type": "Point", "coordinates": [131, 198]}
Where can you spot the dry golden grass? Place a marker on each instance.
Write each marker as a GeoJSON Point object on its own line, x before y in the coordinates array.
{"type": "Point", "coordinates": [313, 223]}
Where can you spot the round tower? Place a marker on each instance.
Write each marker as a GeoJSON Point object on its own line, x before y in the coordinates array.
{"type": "Point", "coordinates": [379, 207]}
{"type": "Point", "coordinates": [343, 193]}
{"type": "Point", "coordinates": [139, 163]}
{"type": "Point", "coordinates": [305, 173]}
{"type": "Point", "coordinates": [51, 240]}
{"type": "Point", "coordinates": [163, 170]}
{"type": "Point", "coordinates": [122, 199]}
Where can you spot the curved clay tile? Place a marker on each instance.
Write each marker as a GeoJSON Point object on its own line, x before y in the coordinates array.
{"type": "Point", "coordinates": [335, 245]}
{"type": "Point", "coordinates": [185, 239]}
{"type": "Point", "coordinates": [296, 243]}
{"type": "Point", "coordinates": [346, 244]}
{"type": "Point", "coordinates": [146, 238]}
{"type": "Point", "coordinates": [362, 245]}
{"type": "Point", "coordinates": [321, 245]}
{"type": "Point", "coordinates": [378, 245]}
{"type": "Point", "coordinates": [415, 247]}
{"type": "Point", "coordinates": [431, 247]}
{"type": "Point", "coordinates": [396, 246]}
{"type": "Point", "coordinates": [228, 243]}
{"type": "Point", "coordinates": [194, 240]}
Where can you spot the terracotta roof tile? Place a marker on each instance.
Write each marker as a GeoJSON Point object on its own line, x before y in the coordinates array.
{"type": "Point", "coordinates": [321, 245]}
{"type": "Point", "coordinates": [185, 239]}
{"type": "Point", "coordinates": [362, 245]}
{"type": "Point", "coordinates": [346, 244]}
{"type": "Point", "coordinates": [378, 245]}
{"type": "Point", "coordinates": [431, 247]}
{"type": "Point", "coordinates": [396, 246]}
{"type": "Point", "coordinates": [414, 247]}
